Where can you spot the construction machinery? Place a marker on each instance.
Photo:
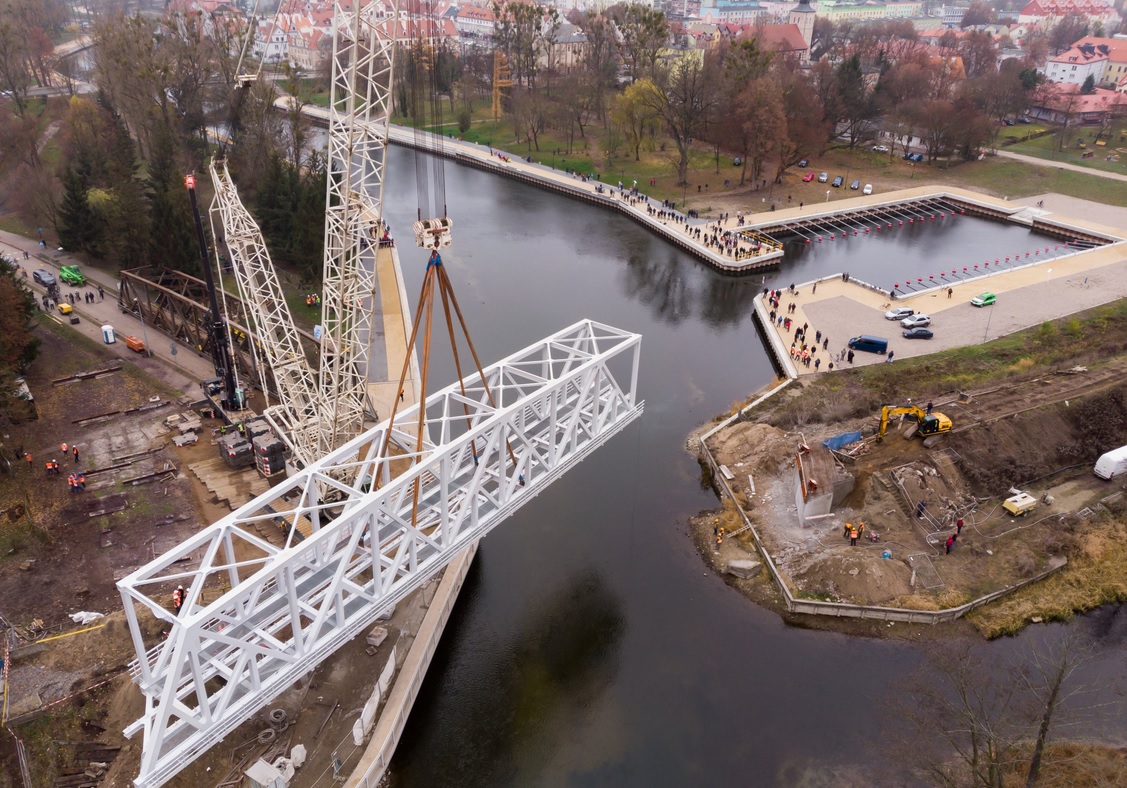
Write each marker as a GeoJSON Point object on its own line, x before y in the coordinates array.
{"type": "Point", "coordinates": [927, 422]}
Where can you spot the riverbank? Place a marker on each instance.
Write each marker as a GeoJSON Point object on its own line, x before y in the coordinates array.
{"type": "Point", "coordinates": [1014, 428]}
{"type": "Point", "coordinates": [728, 250]}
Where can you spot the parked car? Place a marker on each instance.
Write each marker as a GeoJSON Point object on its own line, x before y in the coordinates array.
{"type": "Point", "coordinates": [984, 299]}
{"type": "Point", "coordinates": [899, 313]}
{"type": "Point", "coordinates": [855, 185]}
{"type": "Point", "coordinates": [1008, 122]}
{"type": "Point", "coordinates": [913, 157]}
{"type": "Point", "coordinates": [880, 148]}
{"type": "Point", "coordinates": [71, 275]}
{"type": "Point", "coordinates": [825, 176]}
{"type": "Point", "coordinates": [868, 189]}
{"type": "Point", "coordinates": [838, 181]}
{"type": "Point", "coordinates": [917, 333]}
{"type": "Point", "coordinates": [919, 320]}
{"type": "Point", "coordinates": [1024, 120]}
{"type": "Point", "coordinates": [803, 162]}
{"type": "Point", "coordinates": [808, 177]}
{"type": "Point", "coordinates": [43, 277]}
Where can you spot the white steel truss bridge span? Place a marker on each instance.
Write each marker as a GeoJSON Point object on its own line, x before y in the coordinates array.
{"type": "Point", "coordinates": [363, 531]}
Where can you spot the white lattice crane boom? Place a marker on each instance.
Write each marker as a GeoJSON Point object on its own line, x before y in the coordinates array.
{"type": "Point", "coordinates": [359, 105]}
{"type": "Point", "coordinates": [297, 416]}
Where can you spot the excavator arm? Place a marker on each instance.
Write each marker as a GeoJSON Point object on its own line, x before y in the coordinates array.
{"type": "Point", "coordinates": [928, 423]}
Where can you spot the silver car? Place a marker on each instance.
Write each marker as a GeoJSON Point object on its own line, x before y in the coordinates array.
{"type": "Point", "coordinates": [916, 321]}
{"type": "Point", "coordinates": [898, 313]}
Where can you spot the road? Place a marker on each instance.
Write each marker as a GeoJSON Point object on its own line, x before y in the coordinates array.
{"type": "Point", "coordinates": [182, 368]}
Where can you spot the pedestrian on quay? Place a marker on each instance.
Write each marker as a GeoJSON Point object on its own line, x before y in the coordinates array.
{"type": "Point", "coordinates": [850, 357]}
{"type": "Point", "coordinates": [890, 355]}
{"type": "Point", "coordinates": [950, 291]}
{"type": "Point", "coordinates": [817, 336]}
{"type": "Point", "coordinates": [814, 289]}
{"type": "Point", "coordinates": [826, 343]}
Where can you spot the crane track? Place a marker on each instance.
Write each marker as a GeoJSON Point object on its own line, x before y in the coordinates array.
{"type": "Point", "coordinates": [990, 405]}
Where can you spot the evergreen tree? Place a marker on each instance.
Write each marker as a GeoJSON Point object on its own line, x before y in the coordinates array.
{"type": "Point", "coordinates": [309, 223]}
{"type": "Point", "coordinates": [172, 240]}
{"type": "Point", "coordinates": [128, 231]}
{"type": "Point", "coordinates": [78, 226]}
{"type": "Point", "coordinates": [1089, 86]}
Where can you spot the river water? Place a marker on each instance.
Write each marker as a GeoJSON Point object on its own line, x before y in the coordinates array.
{"type": "Point", "coordinates": [590, 646]}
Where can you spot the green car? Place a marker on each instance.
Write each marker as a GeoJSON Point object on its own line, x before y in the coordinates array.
{"type": "Point", "coordinates": [71, 275]}
{"type": "Point", "coordinates": [985, 299]}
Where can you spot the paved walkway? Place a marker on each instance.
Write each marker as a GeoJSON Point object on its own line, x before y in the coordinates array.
{"type": "Point", "coordinates": [183, 369]}
{"type": "Point", "coordinates": [1061, 165]}
{"type": "Point", "coordinates": [1026, 297]}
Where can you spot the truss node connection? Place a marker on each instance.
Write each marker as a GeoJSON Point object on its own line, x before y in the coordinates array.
{"type": "Point", "coordinates": [355, 548]}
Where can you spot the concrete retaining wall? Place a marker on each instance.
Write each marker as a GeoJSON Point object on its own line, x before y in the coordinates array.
{"type": "Point", "coordinates": [377, 757]}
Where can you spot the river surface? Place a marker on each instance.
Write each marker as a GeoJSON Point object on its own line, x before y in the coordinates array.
{"type": "Point", "coordinates": [590, 646]}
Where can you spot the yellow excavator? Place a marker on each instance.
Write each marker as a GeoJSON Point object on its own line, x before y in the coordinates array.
{"type": "Point", "coordinates": [927, 424]}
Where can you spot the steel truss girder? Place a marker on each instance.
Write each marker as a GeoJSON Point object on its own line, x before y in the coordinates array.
{"type": "Point", "coordinates": [297, 415]}
{"type": "Point", "coordinates": [359, 104]}
{"type": "Point", "coordinates": [488, 451]}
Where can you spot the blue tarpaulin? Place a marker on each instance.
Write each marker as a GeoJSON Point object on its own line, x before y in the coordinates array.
{"type": "Point", "coordinates": [844, 439]}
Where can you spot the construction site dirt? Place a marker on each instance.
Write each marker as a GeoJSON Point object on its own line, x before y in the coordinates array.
{"type": "Point", "coordinates": [1033, 434]}
{"type": "Point", "coordinates": [69, 690]}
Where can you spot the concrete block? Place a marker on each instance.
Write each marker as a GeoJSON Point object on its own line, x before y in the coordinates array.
{"type": "Point", "coordinates": [377, 636]}
{"type": "Point", "coordinates": [744, 568]}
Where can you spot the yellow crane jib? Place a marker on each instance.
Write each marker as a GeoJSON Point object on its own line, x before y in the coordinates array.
{"type": "Point", "coordinates": [926, 423]}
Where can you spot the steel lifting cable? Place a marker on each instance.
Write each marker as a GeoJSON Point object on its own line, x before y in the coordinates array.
{"type": "Point", "coordinates": [428, 54]}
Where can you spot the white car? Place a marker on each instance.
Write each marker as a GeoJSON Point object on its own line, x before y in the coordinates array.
{"type": "Point", "coordinates": [899, 313]}
{"type": "Point", "coordinates": [868, 189]}
{"type": "Point", "coordinates": [880, 148]}
{"type": "Point", "coordinates": [916, 321]}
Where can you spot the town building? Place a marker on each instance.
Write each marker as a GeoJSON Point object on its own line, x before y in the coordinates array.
{"type": "Point", "coordinates": [1049, 12]}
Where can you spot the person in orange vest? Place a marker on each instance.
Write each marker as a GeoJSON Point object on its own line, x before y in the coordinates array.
{"type": "Point", "coordinates": [73, 483]}
{"type": "Point", "coordinates": [848, 528]}
{"type": "Point", "coordinates": [178, 599]}
{"type": "Point", "coordinates": [860, 527]}
{"type": "Point", "coordinates": [64, 447]}
{"type": "Point", "coordinates": [853, 537]}
{"type": "Point", "coordinates": [81, 481]}
{"type": "Point", "coordinates": [75, 450]}
{"type": "Point", "coordinates": [55, 467]}
{"type": "Point", "coordinates": [27, 456]}
{"type": "Point", "coordinates": [49, 467]}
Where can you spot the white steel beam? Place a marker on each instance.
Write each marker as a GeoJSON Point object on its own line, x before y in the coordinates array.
{"type": "Point", "coordinates": [358, 548]}
{"type": "Point", "coordinates": [297, 416]}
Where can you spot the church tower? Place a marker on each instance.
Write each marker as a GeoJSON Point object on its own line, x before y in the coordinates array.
{"type": "Point", "coordinates": [802, 15]}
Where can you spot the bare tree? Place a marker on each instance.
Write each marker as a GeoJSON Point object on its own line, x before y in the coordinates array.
{"type": "Point", "coordinates": [973, 721]}
{"type": "Point", "coordinates": [682, 99]}
{"type": "Point", "coordinates": [644, 32]}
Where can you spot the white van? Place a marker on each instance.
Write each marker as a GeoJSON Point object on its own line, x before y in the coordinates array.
{"type": "Point", "coordinates": [1112, 464]}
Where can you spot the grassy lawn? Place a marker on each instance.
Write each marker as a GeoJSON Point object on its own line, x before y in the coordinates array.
{"type": "Point", "coordinates": [1047, 148]}
{"type": "Point", "coordinates": [1090, 338]}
